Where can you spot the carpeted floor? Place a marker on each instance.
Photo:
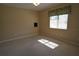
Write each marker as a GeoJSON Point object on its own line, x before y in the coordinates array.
{"type": "Point", "coordinates": [31, 47]}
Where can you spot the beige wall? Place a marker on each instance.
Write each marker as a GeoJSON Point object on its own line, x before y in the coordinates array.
{"type": "Point", "coordinates": [0, 23]}
{"type": "Point", "coordinates": [70, 35]}
{"type": "Point", "coordinates": [17, 22]}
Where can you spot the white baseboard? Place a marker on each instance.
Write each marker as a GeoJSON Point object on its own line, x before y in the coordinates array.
{"type": "Point", "coordinates": [19, 37]}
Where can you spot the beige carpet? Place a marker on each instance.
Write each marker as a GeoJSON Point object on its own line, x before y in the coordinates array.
{"type": "Point", "coordinates": [31, 47]}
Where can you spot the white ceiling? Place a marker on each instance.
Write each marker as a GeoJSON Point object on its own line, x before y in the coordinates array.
{"type": "Point", "coordinates": [30, 6]}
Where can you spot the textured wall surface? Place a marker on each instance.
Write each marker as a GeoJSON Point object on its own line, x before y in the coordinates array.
{"type": "Point", "coordinates": [17, 22]}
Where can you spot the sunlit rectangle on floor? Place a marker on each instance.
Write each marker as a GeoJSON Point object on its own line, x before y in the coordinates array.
{"type": "Point", "coordinates": [48, 43]}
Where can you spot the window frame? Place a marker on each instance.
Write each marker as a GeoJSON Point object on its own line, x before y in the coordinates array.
{"type": "Point", "coordinates": [58, 19]}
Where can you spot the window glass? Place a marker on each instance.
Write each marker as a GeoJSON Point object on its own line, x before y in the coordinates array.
{"type": "Point", "coordinates": [59, 21]}
{"type": "Point", "coordinates": [53, 21]}
{"type": "Point", "coordinates": [63, 21]}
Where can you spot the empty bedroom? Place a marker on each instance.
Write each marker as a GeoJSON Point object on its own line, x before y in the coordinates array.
{"type": "Point", "coordinates": [45, 29]}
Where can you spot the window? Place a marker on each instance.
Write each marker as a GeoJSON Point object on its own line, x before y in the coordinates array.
{"type": "Point", "coordinates": [59, 17]}
{"type": "Point", "coordinates": [59, 21]}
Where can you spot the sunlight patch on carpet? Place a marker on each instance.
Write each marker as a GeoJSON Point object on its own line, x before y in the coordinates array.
{"type": "Point", "coordinates": [48, 43]}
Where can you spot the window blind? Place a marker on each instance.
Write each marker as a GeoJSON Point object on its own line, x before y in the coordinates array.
{"type": "Point", "coordinates": [60, 11]}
